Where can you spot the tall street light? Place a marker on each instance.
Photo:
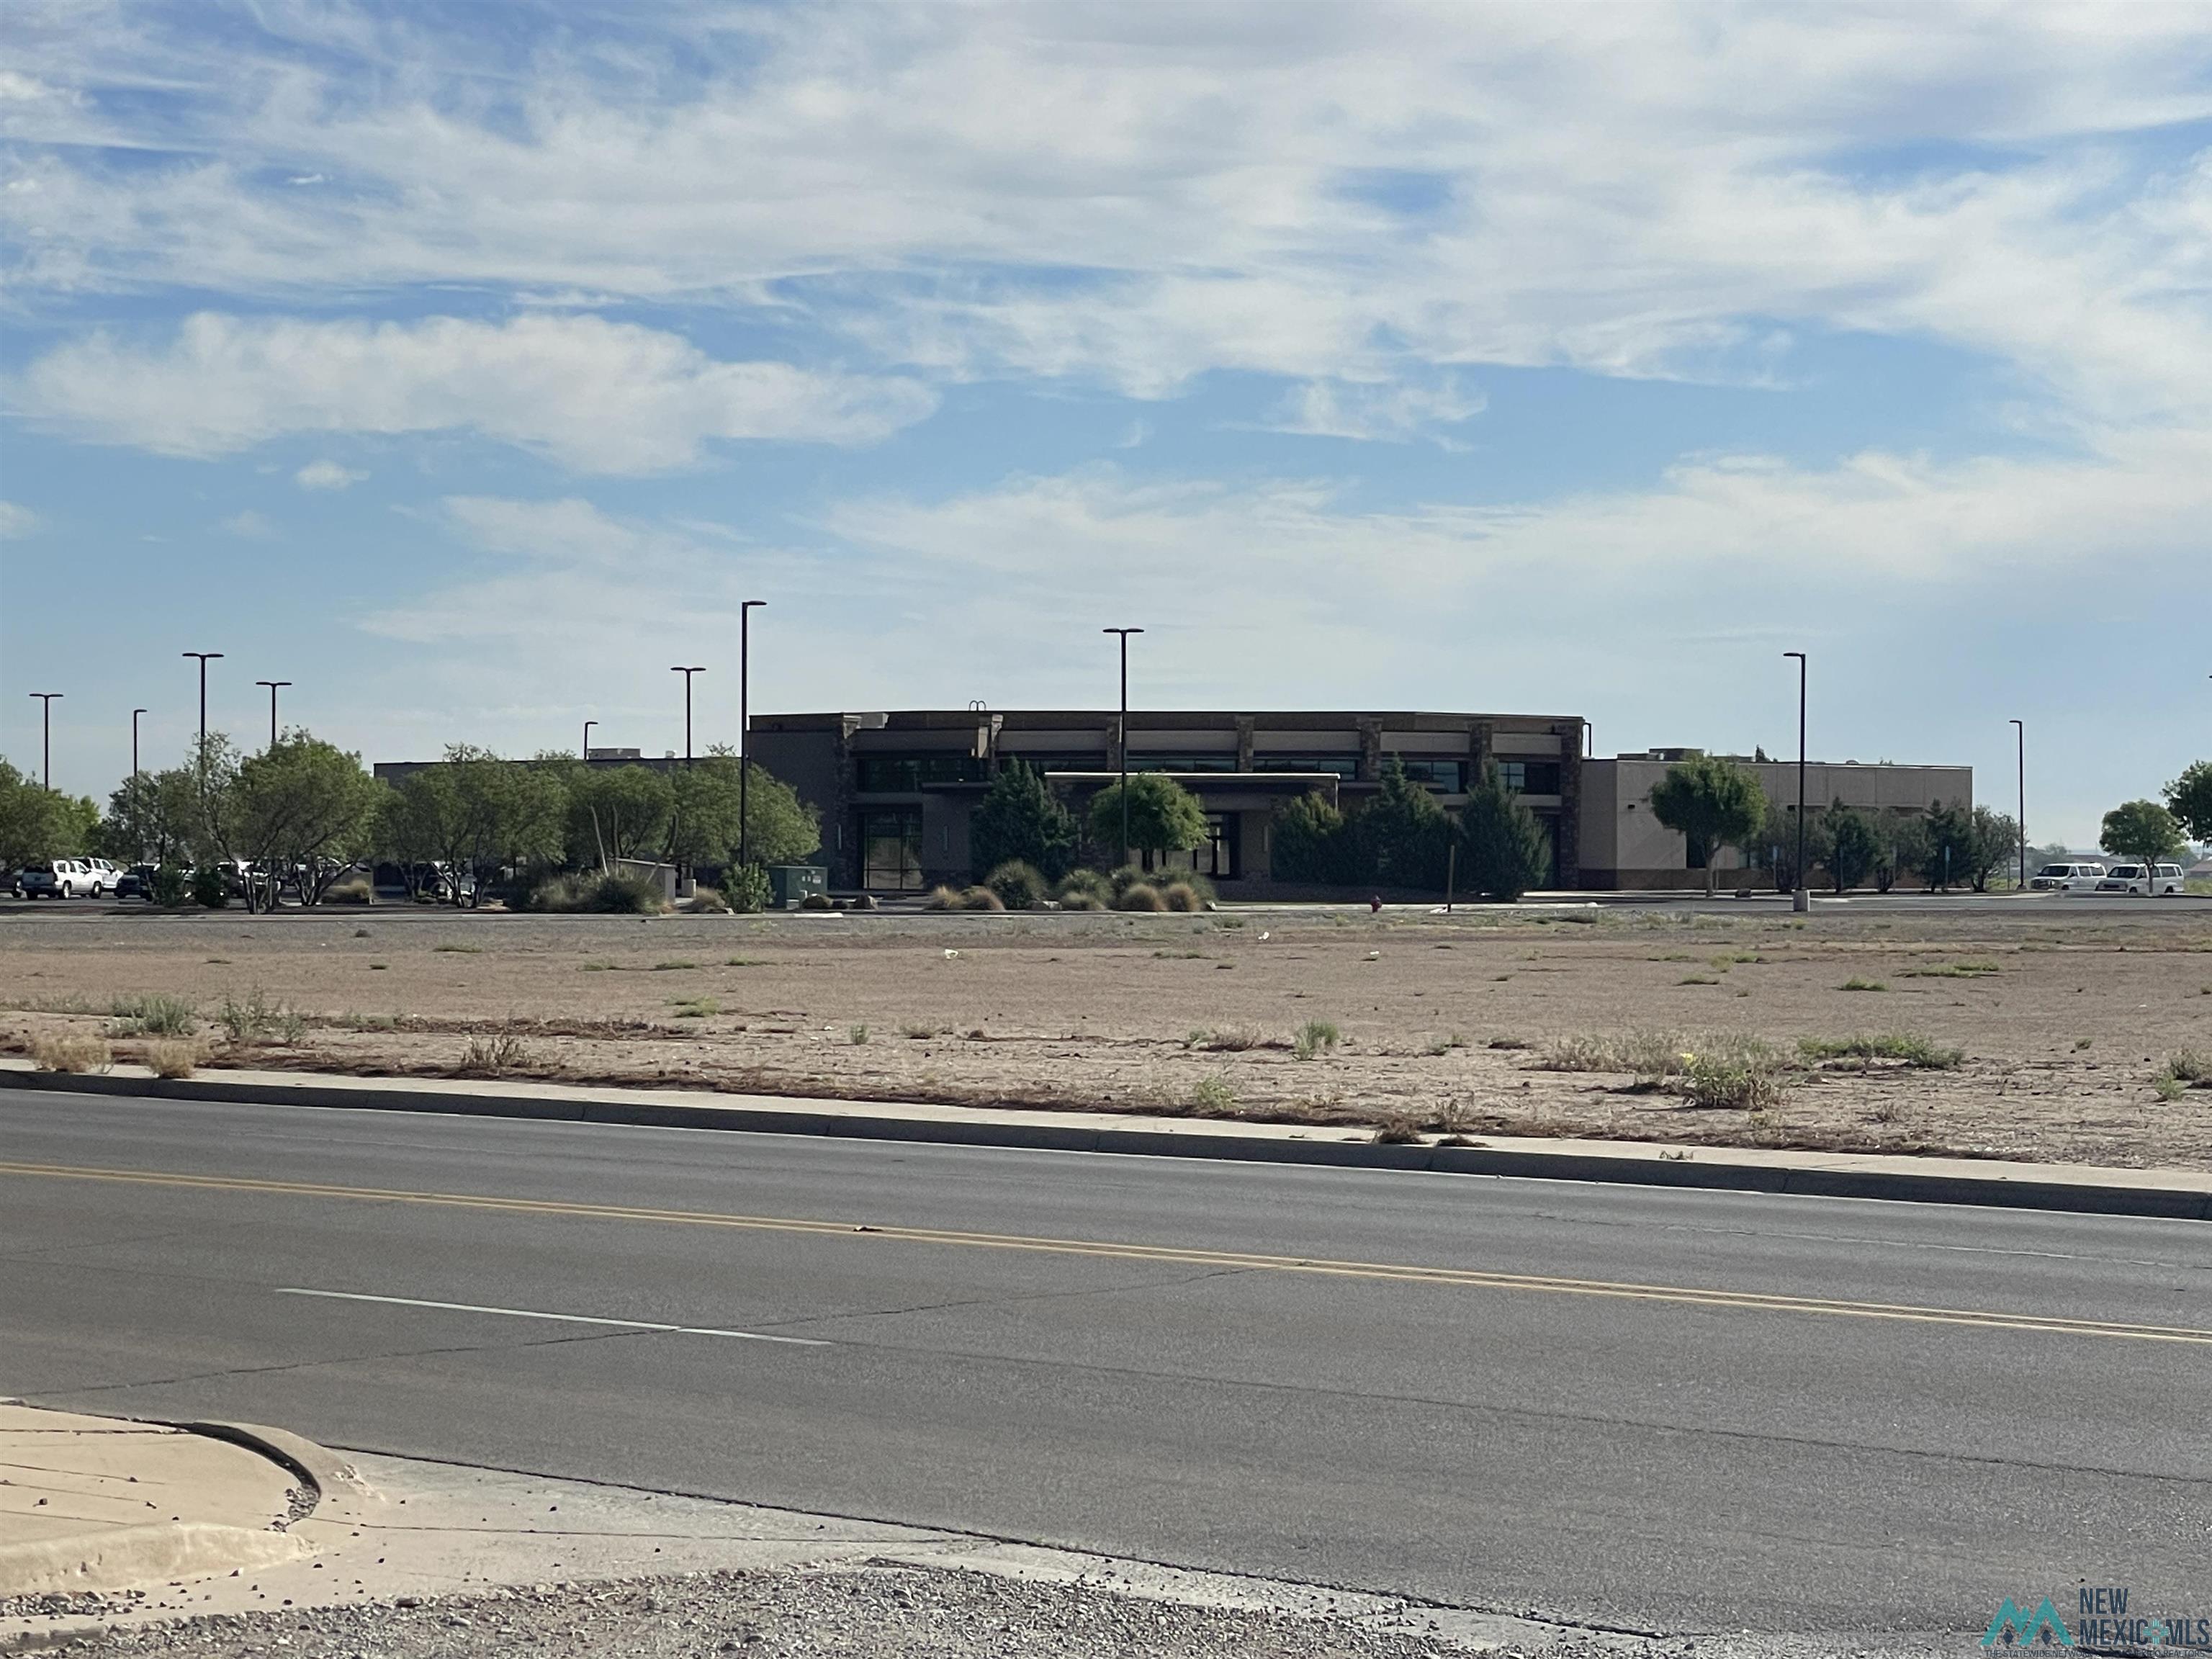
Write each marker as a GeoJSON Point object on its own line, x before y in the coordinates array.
{"type": "Point", "coordinates": [586, 751]}
{"type": "Point", "coordinates": [272, 685]}
{"type": "Point", "coordinates": [744, 729]}
{"type": "Point", "coordinates": [205, 658]}
{"type": "Point", "coordinates": [687, 673]}
{"type": "Point", "coordinates": [47, 720]}
{"type": "Point", "coordinates": [1802, 899]}
{"type": "Point", "coordinates": [2021, 730]}
{"type": "Point", "coordinates": [1123, 742]}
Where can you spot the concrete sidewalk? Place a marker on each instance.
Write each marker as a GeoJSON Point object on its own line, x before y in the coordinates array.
{"type": "Point", "coordinates": [92, 1503]}
{"type": "Point", "coordinates": [2182, 1194]}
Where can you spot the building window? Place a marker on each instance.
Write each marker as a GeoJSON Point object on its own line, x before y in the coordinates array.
{"type": "Point", "coordinates": [1530, 777]}
{"type": "Point", "coordinates": [1342, 766]}
{"type": "Point", "coordinates": [1214, 763]}
{"type": "Point", "coordinates": [884, 775]}
{"type": "Point", "coordinates": [891, 849]}
{"type": "Point", "coordinates": [1448, 776]}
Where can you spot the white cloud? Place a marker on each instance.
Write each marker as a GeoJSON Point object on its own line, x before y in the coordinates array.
{"type": "Point", "coordinates": [326, 474]}
{"type": "Point", "coordinates": [16, 521]}
{"type": "Point", "coordinates": [595, 396]}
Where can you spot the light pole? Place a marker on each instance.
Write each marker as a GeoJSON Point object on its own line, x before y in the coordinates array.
{"type": "Point", "coordinates": [205, 658]}
{"type": "Point", "coordinates": [744, 729]}
{"type": "Point", "coordinates": [47, 721]}
{"type": "Point", "coordinates": [1801, 898]}
{"type": "Point", "coordinates": [2021, 731]}
{"type": "Point", "coordinates": [687, 673]}
{"type": "Point", "coordinates": [1122, 742]}
{"type": "Point", "coordinates": [272, 685]}
{"type": "Point", "coordinates": [586, 751]}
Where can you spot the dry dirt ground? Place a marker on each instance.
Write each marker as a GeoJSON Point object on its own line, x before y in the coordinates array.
{"type": "Point", "coordinates": [2067, 1025]}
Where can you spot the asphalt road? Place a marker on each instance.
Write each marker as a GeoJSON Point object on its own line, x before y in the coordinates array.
{"type": "Point", "coordinates": [1666, 1411]}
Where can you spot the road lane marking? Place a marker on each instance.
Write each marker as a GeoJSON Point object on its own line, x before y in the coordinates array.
{"type": "Point", "coordinates": [1466, 1277]}
{"type": "Point", "coordinates": [558, 1318]}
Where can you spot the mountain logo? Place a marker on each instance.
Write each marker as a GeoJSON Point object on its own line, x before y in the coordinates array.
{"type": "Point", "coordinates": [2012, 1625]}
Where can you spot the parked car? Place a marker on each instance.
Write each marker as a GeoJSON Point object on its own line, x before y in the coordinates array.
{"type": "Point", "coordinates": [2067, 877]}
{"type": "Point", "coordinates": [58, 878]}
{"type": "Point", "coordinates": [2143, 878]}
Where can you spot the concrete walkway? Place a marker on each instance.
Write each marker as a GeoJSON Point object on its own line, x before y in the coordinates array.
{"type": "Point", "coordinates": [2181, 1195]}
{"type": "Point", "coordinates": [90, 1504]}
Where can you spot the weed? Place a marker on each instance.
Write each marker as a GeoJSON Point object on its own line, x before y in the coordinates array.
{"type": "Point", "coordinates": [857, 1035]}
{"type": "Point", "coordinates": [459, 950]}
{"type": "Point", "coordinates": [1211, 1096]}
{"type": "Point", "coordinates": [68, 1051]}
{"type": "Point", "coordinates": [486, 1056]}
{"type": "Point", "coordinates": [171, 1060]}
{"type": "Point", "coordinates": [156, 1016]}
{"type": "Point", "coordinates": [1857, 984]}
{"type": "Point", "coordinates": [1906, 1047]}
{"type": "Point", "coordinates": [1315, 1037]}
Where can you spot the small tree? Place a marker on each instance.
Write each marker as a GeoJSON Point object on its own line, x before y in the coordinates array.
{"type": "Point", "coordinates": [1504, 850]}
{"type": "Point", "coordinates": [2189, 798]}
{"type": "Point", "coordinates": [2141, 829]}
{"type": "Point", "coordinates": [1310, 841]}
{"type": "Point", "coordinates": [1021, 820]}
{"type": "Point", "coordinates": [1404, 833]}
{"type": "Point", "coordinates": [1712, 803]}
{"type": "Point", "coordinates": [1164, 815]}
{"type": "Point", "coordinates": [1847, 846]}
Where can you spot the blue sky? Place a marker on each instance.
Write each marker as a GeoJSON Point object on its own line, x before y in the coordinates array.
{"type": "Point", "coordinates": [466, 365]}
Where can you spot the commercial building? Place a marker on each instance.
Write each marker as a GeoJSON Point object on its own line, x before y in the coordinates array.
{"type": "Point", "coordinates": [1625, 846]}
{"type": "Point", "coordinates": [895, 790]}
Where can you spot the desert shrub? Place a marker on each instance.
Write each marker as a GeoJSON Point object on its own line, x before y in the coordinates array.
{"type": "Point", "coordinates": [209, 891]}
{"type": "Point", "coordinates": [487, 1056]}
{"type": "Point", "coordinates": [1139, 896]}
{"type": "Point", "coordinates": [1906, 1047]}
{"type": "Point", "coordinates": [354, 890]}
{"type": "Point", "coordinates": [1182, 895]}
{"type": "Point", "coordinates": [942, 899]}
{"type": "Point", "coordinates": [156, 1016]}
{"type": "Point", "coordinates": [171, 1060]}
{"type": "Point", "coordinates": [1019, 885]}
{"type": "Point", "coordinates": [1314, 1038]}
{"type": "Point", "coordinates": [69, 1051]}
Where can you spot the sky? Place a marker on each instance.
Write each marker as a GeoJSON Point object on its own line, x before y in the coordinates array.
{"type": "Point", "coordinates": [466, 365]}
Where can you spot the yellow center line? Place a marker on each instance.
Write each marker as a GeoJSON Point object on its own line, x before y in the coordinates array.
{"type": "Point", "coordinates": [1465, 1278]}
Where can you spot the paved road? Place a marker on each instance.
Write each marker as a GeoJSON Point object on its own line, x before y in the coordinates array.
{"type": "Point", "coordinates": [1665, 1411]}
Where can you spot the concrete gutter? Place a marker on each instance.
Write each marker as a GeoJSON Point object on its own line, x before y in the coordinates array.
{"type": "Point", "coordinates": [2181, 1195]}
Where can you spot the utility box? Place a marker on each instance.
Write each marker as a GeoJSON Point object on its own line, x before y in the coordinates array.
{"type": "Point", "coordinates": [791, 885]}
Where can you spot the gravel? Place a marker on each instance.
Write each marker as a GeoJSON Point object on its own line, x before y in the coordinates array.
{"type": "Point", "coordinates": [866, 1614]}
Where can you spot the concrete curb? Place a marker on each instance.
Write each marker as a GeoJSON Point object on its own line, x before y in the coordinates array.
{"type": "Point", "coordinates": [2098, 1192]}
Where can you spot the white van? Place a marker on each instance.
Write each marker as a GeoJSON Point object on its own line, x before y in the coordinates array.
{"type": "Point", "coordinates": [2143, 878]}
{"type": "Point", "coordinates": [2066, 878]}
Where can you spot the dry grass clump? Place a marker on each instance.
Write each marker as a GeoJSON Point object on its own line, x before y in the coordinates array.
{"type": "Point", "coordinates": [171, 1060]}
{"type": "Point", "coordinates": [69, 1051]}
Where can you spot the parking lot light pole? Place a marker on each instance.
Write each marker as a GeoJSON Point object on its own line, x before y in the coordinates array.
{"type": "Point", "coordinates": [2021, 730]}
{"type": "Point", "coordinates": [584, 753]}
{"type": "Point", "coordinates": [47, 721]}
{"type": "Point", "coordinates": [744, 729]}
{"type": "Point", "coordinates": [1123, 744]}
{"type": "Point", "coordinates": [1802, 899]}
{"type": "Point", "coordinates": [272, 685]}
{"type": "Point", "coordinates": [687, 673]}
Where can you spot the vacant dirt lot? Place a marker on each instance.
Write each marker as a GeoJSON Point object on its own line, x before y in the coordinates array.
{"type": "Point", "coordinates": [2066, 1025]}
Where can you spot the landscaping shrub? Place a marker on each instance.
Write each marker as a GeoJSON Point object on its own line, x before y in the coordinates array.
{"type": "Point", "coordinates": [1019, 885]}
{"type": "Point", "coordinates": [69, 1051]}
{"type": "Point", "coordinates": [1139, 896]}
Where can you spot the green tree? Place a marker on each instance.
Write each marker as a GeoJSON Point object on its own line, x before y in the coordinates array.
{"type": "Point", "coordinates": [1712, 803]}
{"type": "Point", "coordinates": [1847, 845]}
{"type": "Point", "coordinates": [306, 806]}
{"type": "Point", "coordinates": [2141, 829]}
{"type": "Point", "coordinates": [1310, 841]}
{"type": "Point", "coordinates": [2189, 798]}
{"type": "Point", "coordinates": [618, 813]}
{"type": "Point", "coordinates": [1164, 815]}
{"type": "Point", "coordinates": [1020, 819]}
{"type": "Point", "coordinates": [1504, 850]}
{"type": "Point", "coordinates": [1405, 835]}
